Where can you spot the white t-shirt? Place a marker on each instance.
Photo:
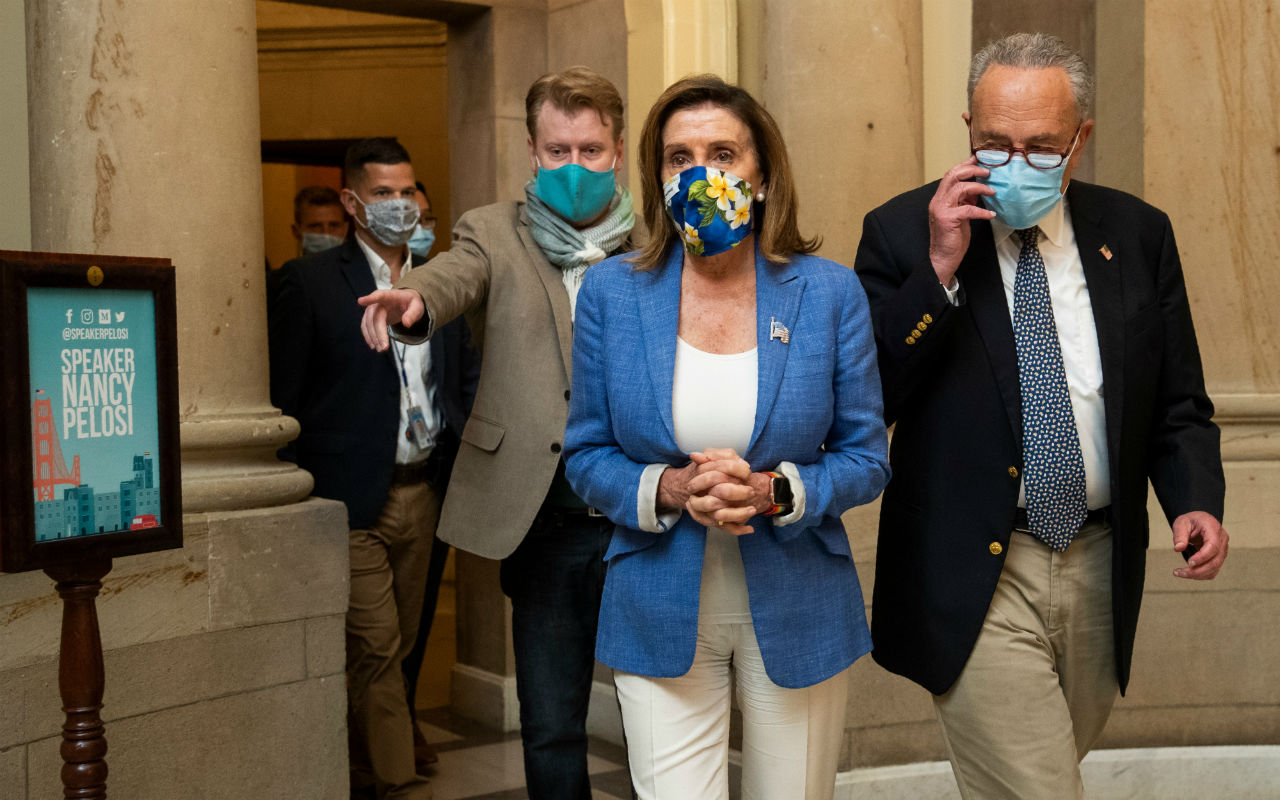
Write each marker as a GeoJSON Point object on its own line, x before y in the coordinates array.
{"type": "Point", "coordinates": [713, 404]}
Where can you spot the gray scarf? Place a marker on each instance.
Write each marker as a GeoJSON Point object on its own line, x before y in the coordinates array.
{"type": "Point", "coordinates": [574, 250]}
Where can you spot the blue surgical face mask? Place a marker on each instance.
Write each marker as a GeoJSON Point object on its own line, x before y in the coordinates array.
{"type": "Point", "coordinates": [1024, 194]}
{"type": "Point", "coordinates": [711, 209]}
{"type": "Point", "coordinates": [421, 241]}
{"type": "Point", "coordinates": [574, 192]}
{"type": "Point", "coordinates": [318, 242]}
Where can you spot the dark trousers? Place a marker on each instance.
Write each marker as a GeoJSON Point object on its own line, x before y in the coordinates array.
{"type": "Point", "coordinates": [555, 579]}
{"type": "Point", "coordinates": [412, 665]}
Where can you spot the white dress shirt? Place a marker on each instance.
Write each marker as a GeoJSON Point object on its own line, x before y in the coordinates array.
{"type": "Point", "coordinates": [1077, 334]}
{"type": "Point", "coordinates": [413, 368]}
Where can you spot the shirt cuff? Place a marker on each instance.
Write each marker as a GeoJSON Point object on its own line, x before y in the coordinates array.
{"type": "Point", "coordinates": [422, 331]}
{"type": "Point", "coordinates": [792, 474]}
{"type": "Point", "coordinates": [954, 292]}
{"type": "Point", "coordinates": [647, 502]}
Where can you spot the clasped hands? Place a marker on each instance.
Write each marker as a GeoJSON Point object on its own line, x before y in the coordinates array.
{"type": "Point", "coordinates": [718, 489]}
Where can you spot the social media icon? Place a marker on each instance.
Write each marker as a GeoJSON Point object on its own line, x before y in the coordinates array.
{"type": "Point", "coordinates": [104, 316]}
{"type": "Point", "coordinates": [119, 317]}
{"type": "Point", "coordinates": [68, 316]}
{"type": "Point", "coordinates": [86, 316]}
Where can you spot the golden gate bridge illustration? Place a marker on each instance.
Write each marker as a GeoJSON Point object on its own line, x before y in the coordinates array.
{"type": "Point", "coordinates": [50, 467]}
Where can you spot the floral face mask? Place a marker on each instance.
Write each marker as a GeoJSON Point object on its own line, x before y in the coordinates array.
{"type": "Point", "coordinates": [711, 209]}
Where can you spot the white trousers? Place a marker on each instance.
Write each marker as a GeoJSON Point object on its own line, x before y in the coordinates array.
{"type": "Point", "coordinates": [677, 729]}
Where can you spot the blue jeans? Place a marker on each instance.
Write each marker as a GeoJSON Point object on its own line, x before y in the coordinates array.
{"type": "Point", "coordinates": [554, 579]}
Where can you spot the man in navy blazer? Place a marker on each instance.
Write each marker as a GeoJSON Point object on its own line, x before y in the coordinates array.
{"type": "Point", "coordinates": [379, 433]}
{"type": "Point", "coordinates": [1024, 634]}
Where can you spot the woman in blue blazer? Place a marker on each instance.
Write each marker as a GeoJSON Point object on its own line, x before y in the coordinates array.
{"type": "Point", "coordinates": [725, 411]}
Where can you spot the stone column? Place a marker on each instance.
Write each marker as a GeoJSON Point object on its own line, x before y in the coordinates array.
{"type": "Point", "coordinates": [146, 143]}
{"type": "Point", "coordinates": [224, 660]}
{"type": "Point", "coordinates": [15, 223]}
{"type": "Point", "coordinates": [667, 40]}
{"type": "Point", "coordinates": [843, 80]}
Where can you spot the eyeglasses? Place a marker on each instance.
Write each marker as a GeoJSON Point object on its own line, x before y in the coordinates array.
{"type": "Point", "coordinates": [991, 157]}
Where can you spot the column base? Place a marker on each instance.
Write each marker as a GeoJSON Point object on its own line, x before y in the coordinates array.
{"type": "Point", "coordinates": [229, 462]}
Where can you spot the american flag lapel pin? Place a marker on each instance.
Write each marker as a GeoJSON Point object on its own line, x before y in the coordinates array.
{"type": "Point", "coordinates": [778, 331]}
{"type": "Point", "coordinates": [1106, 252]}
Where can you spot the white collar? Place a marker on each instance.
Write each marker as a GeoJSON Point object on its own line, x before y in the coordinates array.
{"type": "Point", "coordinates": [1052, 225]}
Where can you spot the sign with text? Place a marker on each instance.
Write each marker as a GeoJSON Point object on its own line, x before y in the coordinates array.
{"type": "Point", "coordinates": [89, 359]}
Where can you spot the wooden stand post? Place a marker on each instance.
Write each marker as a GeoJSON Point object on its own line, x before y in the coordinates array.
{"type": "Point", "coordinates": [81, 680]}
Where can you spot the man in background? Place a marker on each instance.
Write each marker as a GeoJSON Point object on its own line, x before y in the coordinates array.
{"type": "Point", "coordinates": [319, 221]}
{"type": "Point", "coordinates": [379, 430]}
{"type": "Point", "coordinates": [424, 237]}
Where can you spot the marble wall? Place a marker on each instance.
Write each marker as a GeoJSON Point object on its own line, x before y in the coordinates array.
{"type": "Point", "coordinates": [847, 94]}
{"type": "Point", "coordinates": [1206, 654]}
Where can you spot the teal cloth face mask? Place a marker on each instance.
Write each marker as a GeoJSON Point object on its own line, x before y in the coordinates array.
{"type": "Point", "coordinates": [574, 192]}
{"type": "Point", "coordinates": [421, 241]}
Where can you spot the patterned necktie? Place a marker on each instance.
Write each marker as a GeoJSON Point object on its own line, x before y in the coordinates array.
{"type": "Point", "coordinates": [1053, 466]}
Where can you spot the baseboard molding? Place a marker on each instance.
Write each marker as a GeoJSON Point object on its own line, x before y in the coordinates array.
{"type": "Point", "coordinates": [1153, 773]}
{"type": "Point", "coordinates": [485, 697]}
{"type": "Point", "coordinates": [491, 699]}
{"type": "Point", "coordinates": [1160, 773]}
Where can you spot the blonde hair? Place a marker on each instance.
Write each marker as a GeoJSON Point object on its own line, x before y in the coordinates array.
{"type": "Point", "coordinates": [777, 231]}
{"type": "Point", "coordinates": [571, 89]}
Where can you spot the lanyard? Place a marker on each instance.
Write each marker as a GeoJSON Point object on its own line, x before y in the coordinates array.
{"type": "Point", "coordinates": [404, 375]}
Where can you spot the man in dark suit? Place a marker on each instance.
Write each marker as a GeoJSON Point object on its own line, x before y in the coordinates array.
{"type": "Point", "coordinates": [1040, 364]}
{"type": "Point", "coordinates": [379, 432]}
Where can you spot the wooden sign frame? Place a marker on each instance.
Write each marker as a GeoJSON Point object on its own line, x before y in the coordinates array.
{"type": "Point", "coordinates": [103, 357]}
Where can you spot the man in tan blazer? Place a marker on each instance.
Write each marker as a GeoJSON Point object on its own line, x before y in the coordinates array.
{"type": "Point", "coordinates": [515, 268]}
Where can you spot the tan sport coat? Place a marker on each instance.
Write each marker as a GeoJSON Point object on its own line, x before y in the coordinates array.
{"type": "Point", "coordinates": [516, 302]}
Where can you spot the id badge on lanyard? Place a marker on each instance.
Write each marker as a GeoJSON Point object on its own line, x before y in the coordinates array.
{"type": "Point", "coordinates": [416, 431]}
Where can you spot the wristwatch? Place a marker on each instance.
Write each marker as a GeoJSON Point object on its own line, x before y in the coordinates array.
{"type": "Point", "coordinates": [780, 495]}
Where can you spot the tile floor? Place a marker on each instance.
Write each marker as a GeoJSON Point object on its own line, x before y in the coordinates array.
{"type": "Point", "coordinates": [478, 763]}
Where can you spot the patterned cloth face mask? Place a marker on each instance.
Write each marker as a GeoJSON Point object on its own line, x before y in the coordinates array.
{"type": "Point", "coordinates": [711, 209]}
{"type": "Point", "coordinates": [392, 221]}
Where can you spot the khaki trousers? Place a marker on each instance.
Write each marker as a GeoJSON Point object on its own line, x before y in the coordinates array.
{"type": "Point", "coordinates": [1041, 681]}
{"type": "Point", "coordinates": [388, 577]}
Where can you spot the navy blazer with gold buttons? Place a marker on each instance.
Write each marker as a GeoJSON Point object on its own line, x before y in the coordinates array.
{"type": "Point", "coordinates": [950, 377]}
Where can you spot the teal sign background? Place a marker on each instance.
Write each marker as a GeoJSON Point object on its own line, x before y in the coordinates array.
{"type": "Point", "coordinates": [93, 359]}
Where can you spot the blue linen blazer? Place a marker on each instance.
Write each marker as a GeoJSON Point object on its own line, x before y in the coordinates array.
{"type": "Point", "coordinates": [818, 406]}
